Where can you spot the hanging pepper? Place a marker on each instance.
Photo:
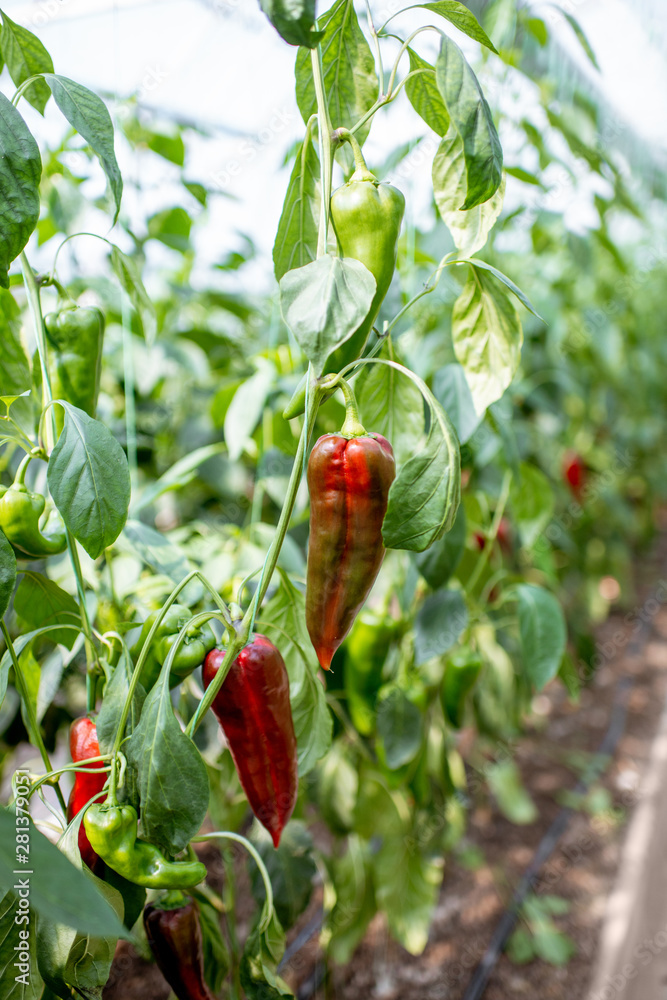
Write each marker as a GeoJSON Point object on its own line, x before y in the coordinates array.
{"type": "Point", "coordinates": [74, 340]}
{"type": "Point", "coordinates": [253, 709]}
{"type": "Point", "coordinates": [20, 515]}
{"type": "Point", "coordinates": [83, 744]}
{"type": "Point", "coordinates": [461, 673]}
{"type": "Point", "coordinates": [349, 475]}
{"type": "Point", "coordinates": [112, 831]}
{"type": "Point", "coordinates": [366, 217]}
{"type": "Point", "coordinates": [174, 934]}
{"type": "Point", "coordinates": [199, 639]}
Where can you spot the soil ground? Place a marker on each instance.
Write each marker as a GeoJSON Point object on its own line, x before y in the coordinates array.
{"type": "Point", "coordinates": [582, 870]}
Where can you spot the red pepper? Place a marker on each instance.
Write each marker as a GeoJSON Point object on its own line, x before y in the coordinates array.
{"type": "Point", "coordinates": [349, 479]}
{"type": "Point", "coordinates": [574, 472]}
{"type": "Point", "coordinates": [83, 744]}
{"type": "Point", "coordinates": [175, 938]}
{"type": "Point", "coordinates": [253, 708]}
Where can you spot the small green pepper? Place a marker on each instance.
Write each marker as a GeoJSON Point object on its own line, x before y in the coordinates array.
{"type": "Point", "coordinates": [20, 515]}
{"type": "Point", "coordinates": [461, 673]}
{"type": "Point", "coordinates": [75, 339]}
{"type": "Point", "coordinates": [199, 640]}
{"type": "Point", "coordinates": [112, 832]}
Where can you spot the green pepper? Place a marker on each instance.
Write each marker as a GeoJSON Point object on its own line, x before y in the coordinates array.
{"type": "Point", "coordinates": [199, 640]}
{"type": "Point", "coordinates": [366, 652]}
{"type": "Point", "coordinates": [74, 339]}
{"type": "Point", "coordinates": [366, 217]}
{"type": "Point", "coordinates": [112, 832]}
{"type": "Point", "coordinates": [20, 515]}
{"type": "Point", "coordinates": [461, 673]}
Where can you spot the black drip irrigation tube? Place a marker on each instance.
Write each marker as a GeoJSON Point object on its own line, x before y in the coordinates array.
{"type": "Point", "coordinates": [482, 974]}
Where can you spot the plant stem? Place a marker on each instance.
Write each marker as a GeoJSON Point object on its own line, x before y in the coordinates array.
{"type": "Point", "coordinates": [32, 291]}
{"type": "Point", "coordinates": [352, 426]}
{"type": "Point", "coordinates": [497, 517]}
{"type": "Point", "coordinates": [33, 725]}
{"type": "Point", "coordinates": [326, 154]}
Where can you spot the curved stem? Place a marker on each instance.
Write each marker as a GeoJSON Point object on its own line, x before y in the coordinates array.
{"type": "Point", "coordinates": [226, 835]}
{"type": "Point", "coordinates": [19, 478]}
{"type": "Point", "coordinates": [404, 46]}
{"type": "Point", "coordinates": [352, 426]}
{"type": "Point", "coordinates": [31, 717]}
{"type": "Point", "coordinates": [66, 240]}
{"type": "Point", "coordinates": [32, 291]}
{"type": "Point", "coordinates": [361, 171]}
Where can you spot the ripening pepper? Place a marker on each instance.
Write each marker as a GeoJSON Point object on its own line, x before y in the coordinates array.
{"type": "Point", "coordinates": [349, 475]}
{"type": "Point", "coordinates": [253, 709]}
{"type": "Point", "coordinates": [83, 744]}
{"type": "Point", "coordinates": [75, 338]}
{"type": "Point", "coordinates": [366, 217]}
{"type": "Point", "coordinates": [574, 473]}
{"type": "Point", "coordinates": [461, 673]}
{"type": "Point", "coordinates": [199, 640]}
{"type": "Point", "coordinates": [21, 511]}
{"type": "Point", "coordinates": [174, 933]}
{"type": "Point", "coordinates": [112, 831]}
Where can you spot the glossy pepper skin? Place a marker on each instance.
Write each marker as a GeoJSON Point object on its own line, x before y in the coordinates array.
{"type": "Point", "coordinates": [174, 934]}
{"type": "Point", "coordinates": [253, 709]}
{"type": "Point", "coordinates": [366, 217]}
{"type": "Point", "coordinates": [75, 338]}
{"type": "Point", "coordinates": [199, 640]}
{"type": "Point", "coordinates": [348, 480]}
{"type": "Point", "coordinates": [20, 515]}
{"type": "Point", "coordinates": [83, 744]}
{"type": "Point", "coordinates": [112, 831]}
{"type": "Point", "coordinates": [461, 673]}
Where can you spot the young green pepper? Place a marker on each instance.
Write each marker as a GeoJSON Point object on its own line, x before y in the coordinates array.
{"type": "Point", "coordinates": [199, 640]}
{"type": "Point", "coordinates": [75, 339]}
{"type": "Point", "coordinates": [112, 832]}
{"type": "Point", "coordinates": [20, 515]}
{"type": "Point", "coordinates": [366, 217]}
{"type": "Point", "coordinates": [461, 673]}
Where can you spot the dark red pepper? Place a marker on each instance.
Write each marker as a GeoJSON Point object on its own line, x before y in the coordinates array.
{"type": "Point", "coordinates": [348, 479]}
{"type": "Point", "coordinates": [83, 744]}
{"type": "Point", "coordinates": [174, 934]}
{"type": "Point", "coordinates": [574, 473]}
{"type": "Point", "coordinates": [253, 708]}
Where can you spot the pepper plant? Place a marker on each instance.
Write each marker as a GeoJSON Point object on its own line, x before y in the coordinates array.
{"type": "Point", "coordinates": [426, 611]}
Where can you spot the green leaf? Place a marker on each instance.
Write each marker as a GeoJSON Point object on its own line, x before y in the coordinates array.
{"type": "Point", "coordinates": [452, 391]}
{"type": "Point", "coordinates": [438, 563]}
{"type": "Point", "coordinates": [523, 175]}
{"type": "Point", "coordinates": [391, 405]}
{"type": "Point", "coordinates": [469, 229]}
{"type": "Point", "coordinates": [20, 643]}
{"type": "Point", "coordinates": [471, 116]}
{"type": "Point", "coordinates": [18, 939]}
{"type": "Point", "coordinates": [129, 277]}
{"type": "Point", "coordinates": [89, 480]}
{"type": "Point", "coordinates": [7, 573]}
{"type": "Point", "coordinates": [293, 20]}
{"type": "Point", "coordinates": [292, 871]}
{"type": "Point", "coordinates": [424, 96]}
{"type": "Point", "coordinates": [352, 879]}
{"type": "Point", "coordinates": [439, 623]}
{"type": "Point", "coordinates": [58, 890]}
{"type": "Point", "coordinates": [513, 800]}
{"type": "Point", "coordinates": [521, 296]}
{"type": "Point", "coordinates": [283, 619]}
{"type": "Point", "coordinates": [543, 633]}
{"type": "Point", "coordinates": [350, 81]}
{"type": "Point", "coordinates": [40, 602]}
{"type": "Point", "coordinates": [324, 303]}
{"type": "Point", "coordinates": [20, 173]}
{"type": "Point", "coordinates": [113, 703]}
{"type": "Point", "coordinates": [16, 377]}
{"type": "Point", "coordinates": [261, 955]}
{"type": "Point", "coordinates": [532, 503]}
{"type": "Point", "coordinates": [25, 56]}
{"type": "Point", "coordinates": [462, 18]}
{"type": "Point", "coordinates": [406, 889]}
{"type": "Point", "coordinates": [157, 551]}
{"type": "Point", "coordinates": [88, 114]}
{"type": "Point", "coordinates": [172, 777]}
{"type": "Point", "coordinates": [337, 787]}
{"type": "Point", "coordinates": [581, 36]}
{"type": "Point", "coordinates": [246, 407]}
{"type": "Point", "coordinates": [296, 239]}
{"type": "Point", "coordinates": [399, 727]}
{"type": "Point", "coordinates": [425, 495]}
{"type": "Point", "coordinates": [171, 227]}
{"type": "Point", "coordinates": [214, 947]}
{"type": "Point", "coordinates": [487, 336]}
{"type": "Point", "coordinates": [180, 474]}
